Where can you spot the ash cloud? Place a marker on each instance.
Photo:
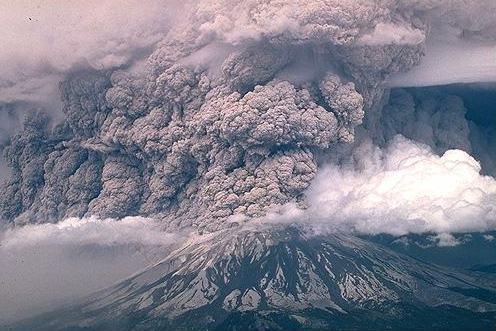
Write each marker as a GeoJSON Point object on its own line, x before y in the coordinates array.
{"type": "Point", "coordinates": [191, 147]}
{"type": "Point", "coordinates": [235, 108]}
{"type": "Point", "coordinates": [44, 42]}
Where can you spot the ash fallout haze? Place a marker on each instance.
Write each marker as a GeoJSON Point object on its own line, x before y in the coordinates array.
{"type": "Point", "coordinates": [248, 165]}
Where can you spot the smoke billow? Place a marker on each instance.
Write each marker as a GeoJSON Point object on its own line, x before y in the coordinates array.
{"type": "Point", "coordinates": [202, 114]}
{"type": "Point", "coordinates": [236, 105]}
{"type": "Point", "coordinates": [44, 42]}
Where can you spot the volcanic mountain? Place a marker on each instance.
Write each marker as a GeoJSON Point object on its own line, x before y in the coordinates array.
{"type": "Point", "coordinates": [285, 278]}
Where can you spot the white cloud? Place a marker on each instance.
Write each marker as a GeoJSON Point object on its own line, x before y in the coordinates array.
{"type": "Point", "coordinates": [488, 237]}
{"type": "Point", "coordinates": [445, 240]}
{"type": "Point", "coordinates": [404, 188]}
{"type": "Point", "coordinates": [89, 231]}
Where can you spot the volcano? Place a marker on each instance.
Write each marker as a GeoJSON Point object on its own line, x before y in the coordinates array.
{"type": "Point", "coordinates": [284, 278]}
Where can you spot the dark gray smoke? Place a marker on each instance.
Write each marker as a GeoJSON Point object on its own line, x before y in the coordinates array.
{"type": "Point", "coordinates": [235, 109]}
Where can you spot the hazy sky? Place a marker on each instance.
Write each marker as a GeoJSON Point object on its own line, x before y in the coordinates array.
{"type": "Point", "coordinates": [43, 39]}
{"type": "Point", "coordinates": [44, 265]}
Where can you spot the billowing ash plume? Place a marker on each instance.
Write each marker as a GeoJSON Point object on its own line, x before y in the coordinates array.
{"type": "Point", "coordinates": [42, 43]}
{"type": "Point", "coordinates": [233, 111]}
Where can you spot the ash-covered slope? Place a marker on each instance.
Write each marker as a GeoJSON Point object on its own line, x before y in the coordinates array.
{"type": "Point", "coordinates": [284, 279]}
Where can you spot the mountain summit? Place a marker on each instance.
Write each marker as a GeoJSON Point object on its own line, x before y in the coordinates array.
{"type": "Point", "coordinates": [285, 279]}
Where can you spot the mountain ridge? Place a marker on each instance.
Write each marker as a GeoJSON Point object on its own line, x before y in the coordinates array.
{"type": "Point", "coordinates": [284, 278]}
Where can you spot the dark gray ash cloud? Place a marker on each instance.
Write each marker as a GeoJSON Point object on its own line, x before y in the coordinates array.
{"type": "Point", "coordinates": [208, 127]}
{"type": "Point", "coordinates": [235, 109]}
